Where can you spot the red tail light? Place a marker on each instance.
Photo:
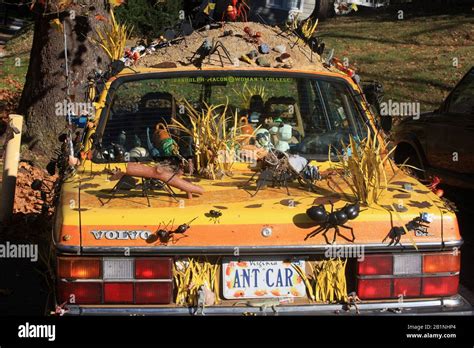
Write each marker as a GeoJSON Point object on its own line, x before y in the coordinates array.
{"type": "Point", "coordinates": [407, 287]}
{"type": "Point", "coordinates": [117, 280]}
{"type": "Point", "coordinates": [374, 288]}
{"type": "Point", "coordinates": [118, 292]}
{"type": "Point", "coordinates": [79, 292]}
{"type": "Point", "coordinates": [389, 276]}
{"type": "Point", "coordinates": [79, 268]}
{"type": "Point", "coordinates": [156, 268]}
{"type": "Point", "coordinates": [440, 286]}
{"type": "Point", "coordinates": [376, 264]}
{"type": "Point", "coordinates": [149, 293]}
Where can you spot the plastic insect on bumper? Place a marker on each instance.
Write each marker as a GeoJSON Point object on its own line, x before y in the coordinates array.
{"type": "Point", "coordinates": [214, 215]}
{"type": "Point", "coordinates": [395, 234]}
{"type": "Point", "coordinates": [334, 219]}
{"type": "Point", "coordinates": [166, 235]}
{"type": "Point", "coordinates": [419, 225]}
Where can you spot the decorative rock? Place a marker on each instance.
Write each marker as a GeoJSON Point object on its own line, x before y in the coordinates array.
{"type": "Point", "coordinates": [252, 54]}
{"type": "Point", "coordinates": [263, 62]}
{"type": "Point", "coordinates": [264, 49]}
{"type": "Point", "coordinates": [284, 57]}
{"type": "Point", "coordinates": [280, 48]}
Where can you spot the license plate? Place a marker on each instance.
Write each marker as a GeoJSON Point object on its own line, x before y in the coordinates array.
{"type": "Point", "coordinates": [262, 278]}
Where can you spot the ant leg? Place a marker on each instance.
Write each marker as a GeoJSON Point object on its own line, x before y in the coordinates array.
{"type": "Point", "coordinates": [352, 233]}
{"type": "Point", "coordinates": [325, 234]}
{"type": "Point", "coordinates": [315, 232]}
{"type": "Point", "coordinates": [336, 233]}
{"type": "Point", "coordinates": [285, 182]}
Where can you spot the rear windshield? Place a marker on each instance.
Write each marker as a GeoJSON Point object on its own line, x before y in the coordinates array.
{"type": "Point", "coordinates": [303, 115]}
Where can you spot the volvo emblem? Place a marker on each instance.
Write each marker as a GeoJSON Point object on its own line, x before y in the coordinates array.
{"type": "Point", "coordinates": [121, 234]}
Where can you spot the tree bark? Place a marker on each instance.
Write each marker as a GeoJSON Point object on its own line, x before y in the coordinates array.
{"type": "Point", "coordinates": [45, 84]}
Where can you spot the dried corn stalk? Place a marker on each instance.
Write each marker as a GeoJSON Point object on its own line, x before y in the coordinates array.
{"type": "Point", "coordinates": [112, 37]}
{"type": "Point", "coordinates": [247, 92]}
{"type": "Point", "coordinates": [327, 280]}
{"type": "Point", "coordinates": [362, 166]}
{"type": "Point", "coordinates": [214, 141]}
{"type": "Point", "coordinates": [192, 273]}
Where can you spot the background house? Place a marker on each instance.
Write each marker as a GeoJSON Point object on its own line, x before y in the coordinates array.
{"type": "Point", "coordinates": [274, 11]}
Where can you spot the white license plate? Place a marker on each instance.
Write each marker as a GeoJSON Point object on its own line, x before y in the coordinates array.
{"type": "Point", "coordinates": [261, 277]}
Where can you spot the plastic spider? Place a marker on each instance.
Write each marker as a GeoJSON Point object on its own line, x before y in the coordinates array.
{"type": "Point", "coordinates": [275, 168]}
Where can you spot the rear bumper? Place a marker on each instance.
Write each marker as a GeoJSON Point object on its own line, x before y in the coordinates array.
{"type": "Point", "coordinates": [456, 305]}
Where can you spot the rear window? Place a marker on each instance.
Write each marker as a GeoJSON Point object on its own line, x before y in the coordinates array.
{"type": "Point", "coordinates": [304, 115]}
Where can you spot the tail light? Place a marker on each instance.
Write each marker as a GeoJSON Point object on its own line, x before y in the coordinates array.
{"type": "Point", "coordinates": [376, 264]}
{"type": "Point", "coordinates": [407, 287]}
{"type": "Point", "coordinates": [441, 263]}
{"type": "Point", "coordinates": [79, 292]}
{"type": "Point", "coordinates": [115, 280]}
{"type": "Point", "coordinates": [153, 268]}
{"type": "Point", "coordinates": [118, 292]}
{"type": "Point", "coordinates": [146, 292]}
{"type": "Point", "coordinates": [439, 286]}
{"type": "Point", "coordinates": [374, 288]}
{"type": "Point", "coordinates": [408, 275]}
{"type": "Point", "coordinates": [79, 268]}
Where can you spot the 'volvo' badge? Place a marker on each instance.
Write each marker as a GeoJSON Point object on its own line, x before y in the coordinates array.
{"type": "Point", "coordinates": [121, 234]}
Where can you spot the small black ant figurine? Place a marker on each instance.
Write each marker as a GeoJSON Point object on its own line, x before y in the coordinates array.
{"type": "Point", "coordinates": [395, 234]}
{"type": "Point", "coordinates": [214, 215]}
{"type": "Point", "coordinates": [334, 219]}
{"type": "Point", "coordinates": [419, 225]}
{"type": "Point", "coordinates": [165, 235]}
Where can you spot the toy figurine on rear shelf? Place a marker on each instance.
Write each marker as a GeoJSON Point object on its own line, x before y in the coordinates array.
{"type": "Point", "coordinates": [163, 141]}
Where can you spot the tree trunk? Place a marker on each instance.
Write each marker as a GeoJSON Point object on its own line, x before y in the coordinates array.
{"type": "Point", "coordinates": [45, 84]}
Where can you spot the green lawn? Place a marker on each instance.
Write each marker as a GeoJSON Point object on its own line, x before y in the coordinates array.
{"type": "Point", "coordinates": [413, 57]}
{"type": "Point", "coordinates": [15, 63]}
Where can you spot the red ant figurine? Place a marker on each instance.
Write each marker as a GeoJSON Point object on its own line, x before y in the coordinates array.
{"type": "Point", "coordinates": [433, 186]}
{"type": "Point", "coordinates": [238, 9]}
{"type": "Point", "coordinates": [252, 37]}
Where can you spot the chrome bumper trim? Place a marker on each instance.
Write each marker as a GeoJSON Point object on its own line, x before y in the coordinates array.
{"type": "Point", "coordinates": [455, 305]}
{"type": "Point", "coordinates": [252, 250]}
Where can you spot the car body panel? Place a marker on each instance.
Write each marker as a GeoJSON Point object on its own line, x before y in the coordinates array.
{"type": "Point", "coordinates": [443, 140]}
{"type": "Point", "coordinates": [87, 223]}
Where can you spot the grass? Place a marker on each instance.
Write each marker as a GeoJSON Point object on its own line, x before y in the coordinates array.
{"type": "Point", "coordinates": [412, 57]}
{"type": "Point", "coordinates": [17, 73]}
{"type": "Point", "coordinates": [15, 63]}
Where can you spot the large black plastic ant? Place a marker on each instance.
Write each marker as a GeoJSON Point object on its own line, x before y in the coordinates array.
{"type": "Point", "coordinates": [334, 219]}
{"type": "Point", "coordinates": [166, 235]}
